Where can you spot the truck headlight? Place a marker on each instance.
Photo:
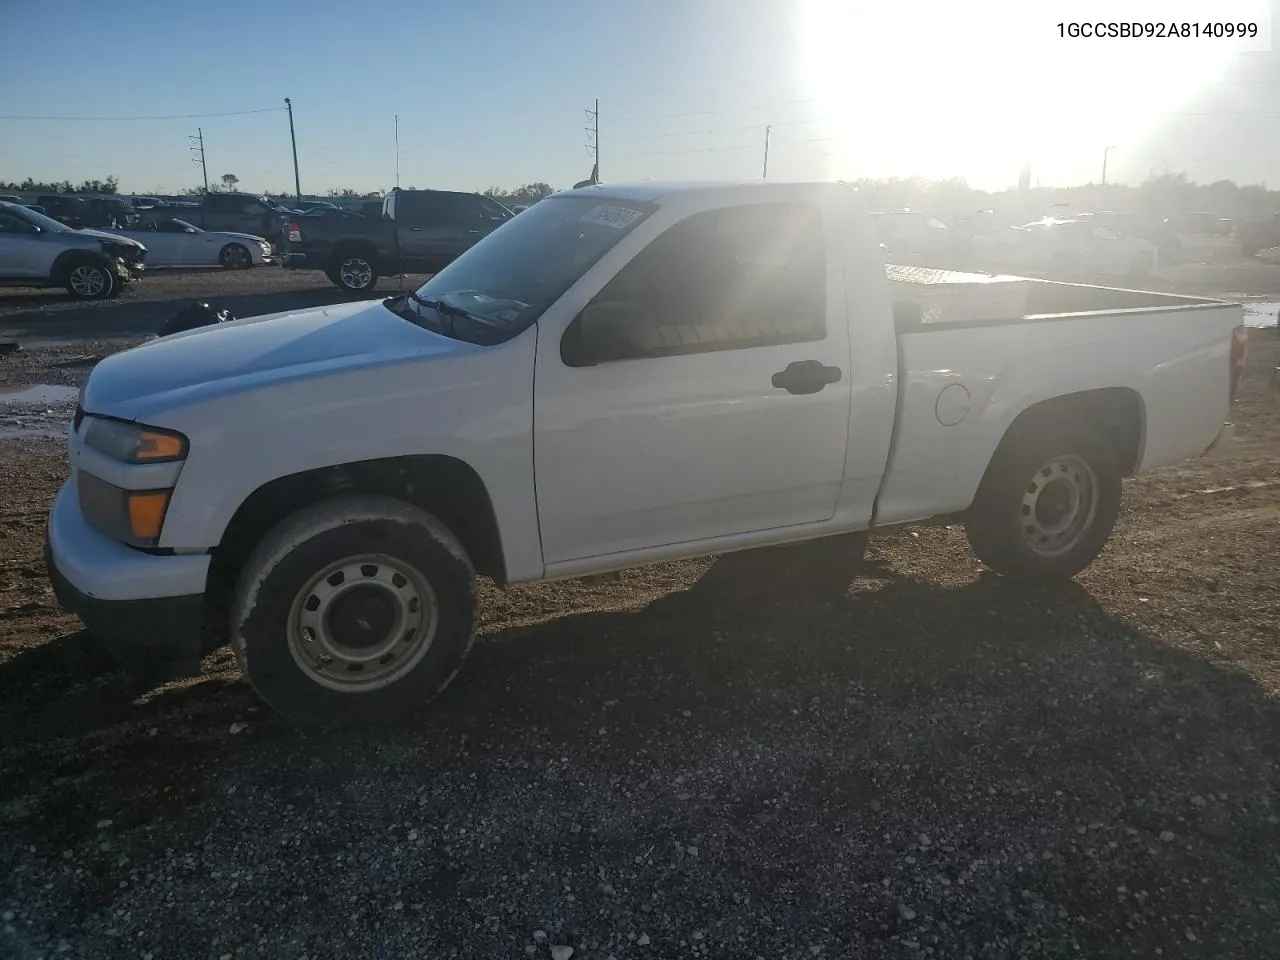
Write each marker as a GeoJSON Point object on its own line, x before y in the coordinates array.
{"type": "Point", "coordinates": [133, 443]}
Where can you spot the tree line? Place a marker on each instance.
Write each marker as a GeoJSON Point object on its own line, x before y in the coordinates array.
{"type": "Point", "coordinates": [1161, 194]}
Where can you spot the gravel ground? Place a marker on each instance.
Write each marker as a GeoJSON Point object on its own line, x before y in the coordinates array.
{"type": "Point", "coordinates": [918, 760]}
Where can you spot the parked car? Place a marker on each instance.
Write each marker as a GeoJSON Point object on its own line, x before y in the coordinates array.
{"type": "Point", "coordinates": [244, 213]}
{"type": "Point", "coordinates": [1158, 232]}
{"type": "Point", "coordinates": [1254, 236]}
{"type": "Point", "coordinates": [38, 251]}
{"type": "Point", "coordinates": [307, 206]}
{"type": "Point", "coordinates": [1075, 247]}
{"type": "Point", "coordinates": [922, 239]}
{"type": "Point", "coordinates": [420, 231]}
{"type": "Point", "coordinates": [176, 243]}
{"type": "Point", "coordinates": [79, 210]}
{"type": "Point", "coordinates": [618, 376]}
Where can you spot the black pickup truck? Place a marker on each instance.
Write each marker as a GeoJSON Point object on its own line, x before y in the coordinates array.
{"type": "Point", "coordinates": [420, 231]}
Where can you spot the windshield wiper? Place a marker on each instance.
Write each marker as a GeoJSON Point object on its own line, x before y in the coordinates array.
{"type": "Point", "coordinates": [446, 310]}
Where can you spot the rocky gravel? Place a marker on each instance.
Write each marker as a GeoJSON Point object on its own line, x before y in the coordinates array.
{"type": "Point", "coordinates": [912, 759]}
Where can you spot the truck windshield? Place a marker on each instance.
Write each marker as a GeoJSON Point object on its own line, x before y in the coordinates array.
{"type": "Point", "coordinates": [504, 283]}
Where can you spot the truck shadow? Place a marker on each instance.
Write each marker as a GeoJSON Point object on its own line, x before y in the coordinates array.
{"type": "Point", "coordinates": [701, 708]}
{"type": "Point", "coordinates": [1063, 681]}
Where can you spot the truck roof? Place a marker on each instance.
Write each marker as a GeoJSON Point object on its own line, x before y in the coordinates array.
{"type": "Point", "coordinates": [653, 192]}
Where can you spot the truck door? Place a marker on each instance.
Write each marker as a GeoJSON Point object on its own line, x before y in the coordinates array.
{"type": "Point", "coordinates": [434, 227]}
{"type": "Point", "coordinates": [703, 392]}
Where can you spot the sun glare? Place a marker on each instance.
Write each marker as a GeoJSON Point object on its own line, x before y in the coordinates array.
{"type": "Point", "coordinates": [936, 90]}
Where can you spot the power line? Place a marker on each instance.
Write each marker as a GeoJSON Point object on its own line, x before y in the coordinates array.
{"type": "Point", "coordinates": [173, 116]}
{"type": "Point", "coordinates": [700, 113]}
{"type": "Point", "coordinates": [706, 130]}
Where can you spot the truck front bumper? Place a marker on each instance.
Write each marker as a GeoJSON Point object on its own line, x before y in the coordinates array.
{"type": "Point", "coordinates": [147, 610]}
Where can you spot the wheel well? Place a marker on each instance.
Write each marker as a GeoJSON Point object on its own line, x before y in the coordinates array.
{"type": "Point", "coordinates": [63, 265]}
{"type": "Point", "coordinates": [1115, 412]}
{"type": "Point", "coordinates": [355, 248]}
{"type": "Point", "coordinates": [443, 486]}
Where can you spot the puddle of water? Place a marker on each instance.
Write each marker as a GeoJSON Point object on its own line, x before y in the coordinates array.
{"type": "Point", "coordinates": [35, 394]}
{"type": "Point", "coordinates": [36, 410]}
{"type": "Point", "coordinates": [1262, 313]}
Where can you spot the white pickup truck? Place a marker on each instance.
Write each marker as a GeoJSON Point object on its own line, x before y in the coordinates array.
{"type": "Point", "coordinates": [616, 377]}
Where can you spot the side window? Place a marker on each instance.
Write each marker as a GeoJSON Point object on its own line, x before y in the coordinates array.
{"type": "Point", "coordinates": [460, 210]}
{"type": "Point", "coordinates": [419, 208]}
{"type": "Point", "coordinates": [490, 209]}
{"type": "Point", "coordinates": [726, 279]}
{"type": "Point", "coordinates": [11, 224]}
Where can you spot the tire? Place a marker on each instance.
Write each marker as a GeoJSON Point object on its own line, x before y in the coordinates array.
{"type": "Point", "coordinates": [1142, 264]}
{"type": "Point", "coordinates": [1034, 470]}
{"type": "Point", "coordinates": [288, 615]}
{"type": "Point", "coordinates": [89, 279]}
{"type": "Point", "coordinates": [235, 256]}
{"type": "Point", "coordinates": [354, 271]}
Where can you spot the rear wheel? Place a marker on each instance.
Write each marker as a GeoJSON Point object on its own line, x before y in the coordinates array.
{"type": "Point", "coordinates": [354, 272]}
{"type": "Point", "coordinates": [235, 256]}
{"type": "Point", "coordinates": [356, 610]}
{"type": "Point", "coordinates": [91, 280]}
{"type": "Point", "coordinates": [1047, 504]}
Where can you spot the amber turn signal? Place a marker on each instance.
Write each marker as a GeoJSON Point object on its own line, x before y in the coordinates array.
{"type": "Point", "coordinates": [153, 445]}
{"type": "Point", "coordinates": [146, 514]}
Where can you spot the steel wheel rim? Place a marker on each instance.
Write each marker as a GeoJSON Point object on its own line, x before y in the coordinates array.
{"type": "Point", "coordinates": [356, 273]}
{"type": "Point", "coordinates": [361, 623]}
{"type": "Point", "coordinates": [88, 281]}
{"type": "Point", "coordinates": [1059, 504]}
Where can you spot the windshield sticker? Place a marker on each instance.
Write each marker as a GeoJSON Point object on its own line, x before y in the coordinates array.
{"type": "Point", "coordinates": [617, 217]}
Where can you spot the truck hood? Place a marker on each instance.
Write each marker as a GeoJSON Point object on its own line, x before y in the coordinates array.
{"type": "Point", "coordinates": [250, 354]}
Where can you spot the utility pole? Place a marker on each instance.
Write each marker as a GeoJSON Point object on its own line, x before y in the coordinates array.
{"type": "Point", "coordinates": [297, 183]}
{"type": "Point", "coordinates": [765, 173]}
{"type": "Point", "coordinates": [197, 155]}
{"type": "Point", "coordinates": [397, 151]}
{"type": "Point", "coordinates": [1105, 151]}
{"type": "Point", "coordinates": [593, 133]}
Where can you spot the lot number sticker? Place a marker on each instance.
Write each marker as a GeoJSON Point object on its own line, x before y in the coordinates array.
{"type": "Point", "coordinates": [617, 217]}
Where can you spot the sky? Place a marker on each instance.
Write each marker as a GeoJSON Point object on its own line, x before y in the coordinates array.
{"type": "Point", "coordinates": [496, 93]}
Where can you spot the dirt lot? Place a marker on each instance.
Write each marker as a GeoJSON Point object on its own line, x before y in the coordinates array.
{"type": "Point", "coordinates": [919, 760]}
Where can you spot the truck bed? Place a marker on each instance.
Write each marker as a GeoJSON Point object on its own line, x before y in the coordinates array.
{"type": "Point", "coordinates": [925, 299]}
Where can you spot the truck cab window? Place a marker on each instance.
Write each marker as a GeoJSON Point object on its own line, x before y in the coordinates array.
{"type": "Point", "coordinates": [727, 279]}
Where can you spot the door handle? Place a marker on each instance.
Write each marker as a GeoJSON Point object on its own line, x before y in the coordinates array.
{"type": "Point", "coordinates": [805, 376]}
{"type": "Point", "coordinates": [417, 229]}
{"type": "Point", "coordinates": [473, 231]}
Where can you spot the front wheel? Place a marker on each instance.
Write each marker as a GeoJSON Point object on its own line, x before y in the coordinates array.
{"type": "Point", "coordinates": [235, 256]}
{"type": "Point", "coordinates": [1047, 504]}
{"type": "Point", "coordinates": [355, 273]}
{"type": "Point", "coordinates": [90, 280]}
{"type": "Point", "coordinates": [355, 610]}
